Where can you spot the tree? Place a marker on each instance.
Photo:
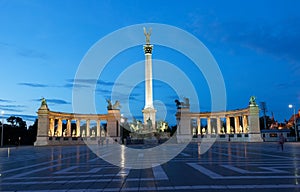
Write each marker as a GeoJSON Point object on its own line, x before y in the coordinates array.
{"type": "Point", "coordinates": [269, 122]}
{"type": "Point", "coordinates": [16, 131]}
{"type": "Point", "coordinates": [16, 122]}
{"type": "Point", "coordinates": [32, 132]}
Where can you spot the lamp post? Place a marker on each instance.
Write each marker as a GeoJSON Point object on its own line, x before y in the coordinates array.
{"type": "Point", "coordinates": [295, 127]}
{"type": "Point", "coordinates": [2, 113]}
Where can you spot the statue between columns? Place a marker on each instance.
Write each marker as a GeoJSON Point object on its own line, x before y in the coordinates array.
{"type": "Point", "coordinates": [147, 35]}
{"type": "Point", "coordinates": [111, 106]}
{"type": "Point", "coordinates": [43, 101]}
{"type": "Point", "coordinates": [184, 104]}
{"type": "Point", "coordinates": [252, 101]}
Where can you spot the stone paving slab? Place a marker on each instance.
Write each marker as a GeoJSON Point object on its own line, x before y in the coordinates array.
{"type": "Point", "coordinates": [224, 167]}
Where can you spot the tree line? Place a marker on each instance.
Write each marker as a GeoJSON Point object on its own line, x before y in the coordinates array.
{"type": "Point", "coordinates": [16, 132]}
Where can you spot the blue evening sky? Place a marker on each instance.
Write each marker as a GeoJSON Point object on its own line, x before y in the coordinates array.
{"type": "Point", "coordinates": [255, 43]}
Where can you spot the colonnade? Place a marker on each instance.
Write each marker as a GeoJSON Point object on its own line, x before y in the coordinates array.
{"type": "Point", "coordinates": [50, 124]}
{"type": "Point", "coordinates": [243, 123]}
{"type": "Point", "coordinates": [240, 124]}
{"type": "Point", "coordinates": [68, 132]}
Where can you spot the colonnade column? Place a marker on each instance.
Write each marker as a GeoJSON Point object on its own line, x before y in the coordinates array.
{"type": "Point", "coordinates": [228, 124]}
{"type": "Point", "coordinates": [59, 128]}
{"type": "Point", "coordinates": [208, 126]}
{"type": "Point", "coordinates": [51, 127]}
{"type": "Point", "coordinates": [218, 125]}
{"type": "Point", "coordinates": [236, 124]}
{"type": "Point", "coordinates": [245, 123]}
{"type": "Point", "coordinates": [87, 130]}
{"type": "Point", "coordinates": [77, 127]}
{"type": "Point", "coordinates": [68, 131]}
{"type": "Point", "coordinates": [98, 128]}
{"type": "Point", "coordinates": [199, 125]}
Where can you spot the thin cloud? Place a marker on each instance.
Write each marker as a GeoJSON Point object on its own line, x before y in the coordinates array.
{"type": "Point", "coordinates": [55, 101]}
{"type": "Point", "coordinates": [23, 51]}
{"type": "Point", "coordinates": [103, 91]}
{"type": "Point", "coordinates": [12, 108]}
{"type": "Point", "coordinates": [33, 85]}
{"type": "Point", "coordinates": [280, 40]}
{"type": "Point", "coordinates": [94, 81]}
{"type": "Point", "coordinates": [30, 118]}
{"type": "Point", "coordinates": [83, 81]}
{"type": "Point", "coordinates": [3, 44]}
{"type": "Point", "coordinates": [58, 101]}
{"type": "Point", "coordinates": [6, 101]}
{"type": "Point", "coordinates": [284, 85]}
{"type": "Point", "coordinates": [31, 53]}
{"type": "Point", "coordinates": [71, 85]}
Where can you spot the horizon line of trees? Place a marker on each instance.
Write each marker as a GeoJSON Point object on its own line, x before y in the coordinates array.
{"type": "Point", "coordinates": [16, 132]}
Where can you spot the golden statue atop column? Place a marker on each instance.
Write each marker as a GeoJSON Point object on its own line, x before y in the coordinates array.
{"type": "Point", "coordinates": [147, 35]}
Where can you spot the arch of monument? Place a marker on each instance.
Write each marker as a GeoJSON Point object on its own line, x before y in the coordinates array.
{"type": "Point", "coordinates": [233, 125]}
{"type": "Point", "coordinates": [50, 127]}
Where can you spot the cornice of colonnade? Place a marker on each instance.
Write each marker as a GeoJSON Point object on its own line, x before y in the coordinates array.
{"type": "Point", "coordinates": [63, 115]}
{"type": "Point", "coordinates": [230, 113]}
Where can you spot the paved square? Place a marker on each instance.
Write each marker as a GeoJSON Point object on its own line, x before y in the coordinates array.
{"type": "Point", "coordinates": [225, 167]}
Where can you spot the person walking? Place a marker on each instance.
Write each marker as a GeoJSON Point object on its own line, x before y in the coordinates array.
{"type": "Point", "coordinates": [281, 141]}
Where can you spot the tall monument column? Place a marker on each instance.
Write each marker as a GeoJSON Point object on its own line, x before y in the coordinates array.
{"type": "Point", "coordinates": [148, 111]}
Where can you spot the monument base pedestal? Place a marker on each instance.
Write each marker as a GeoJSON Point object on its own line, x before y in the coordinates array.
{"type": "Point", "coordinates": [149, 113]}
{"type": "Point", "coordinates": [255, 137]}
{"type": "Point", "coordinates": [41, 141]}
{"type": "Point", "coordinates": [184, 138]}
{"type": "Point", "coordinates": [112, 140]}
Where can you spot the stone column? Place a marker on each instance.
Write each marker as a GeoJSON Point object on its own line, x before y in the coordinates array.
{"type": "Point", "coordinates": [68, 132]}
{"type": "Point", "coordinates": [245, 123]}
{"type": "Point", "coordinates": [148, 111]}
{"type": "Point", "coordinates": [218, 125]}
{"type": "Point", "coordinates": [199, 125]}
{"type": "Point", "coordinates": [236, 124]}
{"type": "Point", "coordinates": [59, 128]}
{"type": "Point", "coordinates": [87, 130]}
{"type": "Point", "coordinates": [78, 128]}
{"type": "Point", "coordinates": [98, 128]}
{"type": "Point", "coordinates": [208, 125]}
{"type": "Point", "coordinates": [51, 128]}
{"type": "Point", "coordinates": [228, 124]}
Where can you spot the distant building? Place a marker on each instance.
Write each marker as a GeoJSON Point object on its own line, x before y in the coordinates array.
{"type": "Point", "coordinates": [287, 129]}
{"type": "Point", "coordinates": [273, 134]}
{"type": "Point", "coordinates": [292, 119]}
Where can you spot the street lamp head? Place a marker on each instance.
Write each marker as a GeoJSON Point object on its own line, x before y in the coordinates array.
{"type": "Point", "coordinates": [290, 106]}
{"type": "Point", "coordinates": [2, 112]}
